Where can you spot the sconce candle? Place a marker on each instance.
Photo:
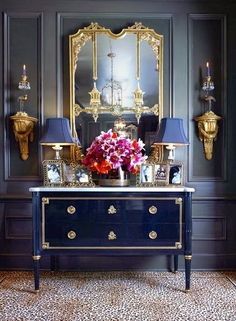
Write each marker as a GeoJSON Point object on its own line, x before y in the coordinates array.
{"type": "Point", "coordinates": [24, 70]}
{"type": "Point", "coordinates": [208, 69]}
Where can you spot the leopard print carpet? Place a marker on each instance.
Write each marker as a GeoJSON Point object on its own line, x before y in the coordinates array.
{"type": "Point", "coordinates": [118, 296]}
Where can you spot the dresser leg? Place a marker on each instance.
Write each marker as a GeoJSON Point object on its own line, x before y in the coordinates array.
{"type": "Point", "coordinates": [36, 259]}
{"type": "Point", "coordinates": [176, 263]}
{"type": "Point", "coordinates": [188, 259]}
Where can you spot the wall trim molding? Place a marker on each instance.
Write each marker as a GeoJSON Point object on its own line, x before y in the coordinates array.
{"type": "Point", "coordinates": [223, 103]}
{"type": "Point", "coordinates": [7, 16]}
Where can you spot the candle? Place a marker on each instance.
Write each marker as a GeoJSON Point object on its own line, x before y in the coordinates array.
{"type": "Point", "coordinates": [24, 70]}
{"type": "Point", "coordinates": [208, 69]}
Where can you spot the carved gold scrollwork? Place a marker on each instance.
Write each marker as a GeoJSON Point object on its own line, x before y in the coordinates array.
{"type": "Point", "coordinates": [23, 126]}
{"type": "Point", "coordinates": [178, 245]}
{"type": "Point", "coordinates": [45, 200]}
{"type": "Point", "coordinates": [207, 131]}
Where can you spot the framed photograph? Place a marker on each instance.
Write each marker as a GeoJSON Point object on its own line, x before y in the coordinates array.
{"type": "Point", "coordinates": [161, 174]}
{"type": "Point", "coordinates": [53, 172]}
{"type": "Point", "coordinates": [176, 174]}
{"type": "Point", "coordinates": [146, 175]}
{"type": "Point", "coordinates": [78, 175]}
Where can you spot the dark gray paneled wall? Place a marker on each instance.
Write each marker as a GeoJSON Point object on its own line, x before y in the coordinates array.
{"type": "Point", "coordinates": [36, 33]}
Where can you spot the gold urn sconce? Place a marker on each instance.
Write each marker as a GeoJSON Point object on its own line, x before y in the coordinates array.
{"type": "Point", "coordinates": [23, 124]}
{"type": "Point", "coordinates": [208, 122]}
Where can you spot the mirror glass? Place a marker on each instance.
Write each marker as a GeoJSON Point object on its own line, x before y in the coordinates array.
{"type": "Point", "coordinates": [115, 76]}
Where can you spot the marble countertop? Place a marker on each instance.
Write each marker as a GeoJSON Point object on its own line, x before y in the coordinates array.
{"type": "Point", "coordinates": [113, 189]}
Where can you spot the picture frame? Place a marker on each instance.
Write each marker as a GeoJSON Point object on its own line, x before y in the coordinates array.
{"type": "Point", "coordinates": [145, 177]}
{"type": "Point", "coordinates": [176, 174]}
{"type": "Point", "coordinates": [78, 175]}
{"type": "Point", "coordinates": [53, 172]}
{"type": "Point", "coordinates": [161, 174]}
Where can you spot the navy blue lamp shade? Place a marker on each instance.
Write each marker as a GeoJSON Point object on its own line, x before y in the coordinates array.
{"type": "Point", "coordinates": [171, 132]}
{"type": "Point", "coordinates": [57, 132]}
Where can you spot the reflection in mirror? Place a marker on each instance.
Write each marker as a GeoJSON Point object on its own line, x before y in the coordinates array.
{"type": "Point", "coordinates": [113, 75]}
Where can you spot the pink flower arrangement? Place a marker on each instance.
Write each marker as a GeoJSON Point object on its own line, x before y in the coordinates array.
{"type": "Point", "coordinates": [110, 151]}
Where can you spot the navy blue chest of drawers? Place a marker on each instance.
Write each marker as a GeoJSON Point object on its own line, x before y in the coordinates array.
{"type": "Point", "coordinates": [112, 221]}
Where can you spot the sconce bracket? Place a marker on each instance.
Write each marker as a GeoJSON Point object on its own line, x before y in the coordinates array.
{"type": "Point", "coordinates": [23, 126]}
{"type": "Point", "coordinates": [207, 131]}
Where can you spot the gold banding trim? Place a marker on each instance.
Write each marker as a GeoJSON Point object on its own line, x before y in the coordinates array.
{"type": "Point", "coordinates": [111, 210]}
{"type": "Point", "coordinates": [152, 210]}
{"type": "Point", "coordinates": [71, 209]}
{"type": "Point", "coordinates": [152, 235]}
{"type": "Point", "coordinates": [112, 236]}
{"type": "Point", "coordinates": [188, 257]}
{"type": "Point", "coordinates": [45, 200]}
{"type": "Point", "coordinates": [174, 245]}
{"type": "Point", "coordinates": [36, 257]}
{"type": "Point", "coordinates": [71, 235]}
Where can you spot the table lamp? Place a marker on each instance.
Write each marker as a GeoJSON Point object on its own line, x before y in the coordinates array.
{"type": "Point", "coordinates": [171, 134]}
{"type": "Point", "coordinates": [57, 134]}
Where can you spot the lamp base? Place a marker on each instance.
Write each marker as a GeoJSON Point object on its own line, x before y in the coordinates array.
{"type": "Point", "coordinates": [171, 149]}
{"type": "Point", "coordinates": [57, 149]}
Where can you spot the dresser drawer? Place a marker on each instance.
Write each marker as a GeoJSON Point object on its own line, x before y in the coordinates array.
{"type": "Point", "coordinates": [154, 210]}
{"type": "Point", "coordinates": [55, 210]}
{"type": "Point", "coordinates": [67, 235]}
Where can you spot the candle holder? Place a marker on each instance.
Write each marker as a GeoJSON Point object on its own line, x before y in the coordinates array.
{"type": "Point", "coordinates": [23, 124]}
{"type": "Point", "coordinates": [208, 122]}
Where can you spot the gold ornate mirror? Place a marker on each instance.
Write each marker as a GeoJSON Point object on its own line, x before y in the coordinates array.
{"type": "Point", "coordinates": [114, 75]}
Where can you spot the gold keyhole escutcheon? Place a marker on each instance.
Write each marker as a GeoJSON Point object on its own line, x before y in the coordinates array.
{"type": "Point", "coordinates": [152, 209]}
{"type": "Point", "coordinates": [71, 235]}
{"type": "Point", "coordinates": [111, 210]}
{"type": "Point", "coordinates": [71, 209]}
{"type": "Point", "coordinates": [152, 235]}
{"type": "Point", "coordinates": [112, 236]}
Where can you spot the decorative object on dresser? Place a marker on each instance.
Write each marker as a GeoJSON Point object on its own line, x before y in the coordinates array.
{"type": "Point", "coordinates": [171, 134]}
{"type": "Point", "coordinates": [53, 172]}
{"type": "Point", "coordinates": [57, 134]}
{"type": "Point", "coordinates": [208, 122]}
{"type": "Point", "coordinates": [77, 175]}
{"type": "Point", "coordinates": [114, 156]}
{"type": "Point", "coordinates": [153, 174]}
{"type": "Point", "coordinates": [112, 221]}
{"type": "Point", "coordinates": [23, 124]}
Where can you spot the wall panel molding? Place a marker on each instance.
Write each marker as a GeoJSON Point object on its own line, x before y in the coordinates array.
{"type": "Point", "coordinates": [22, 45]}
{"type": "Point", "coordinates": [207, 42]}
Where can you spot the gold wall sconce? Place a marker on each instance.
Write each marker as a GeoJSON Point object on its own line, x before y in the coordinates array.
{"type": "Point", "coordinates": [23, 124]}
{"type": "Point", "coordinates": [208, 122]}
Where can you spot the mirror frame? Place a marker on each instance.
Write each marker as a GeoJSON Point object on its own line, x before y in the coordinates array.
{"type": "Point", "coordinates": [79, 39]}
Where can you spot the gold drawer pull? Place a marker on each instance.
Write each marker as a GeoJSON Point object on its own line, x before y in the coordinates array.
{"type": "Point", "coordinates": [111, 236]}
{"type": "Point", "coordinates": [111, 210]}
{"type": "Point", "coordinates": [152, 209]}
{"type": "Point", "coordinates": [71, 235]}
{"type": "Point", "coordinates": [71, 209]}
{"type": "Point", "coordinates": [152, 235]}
